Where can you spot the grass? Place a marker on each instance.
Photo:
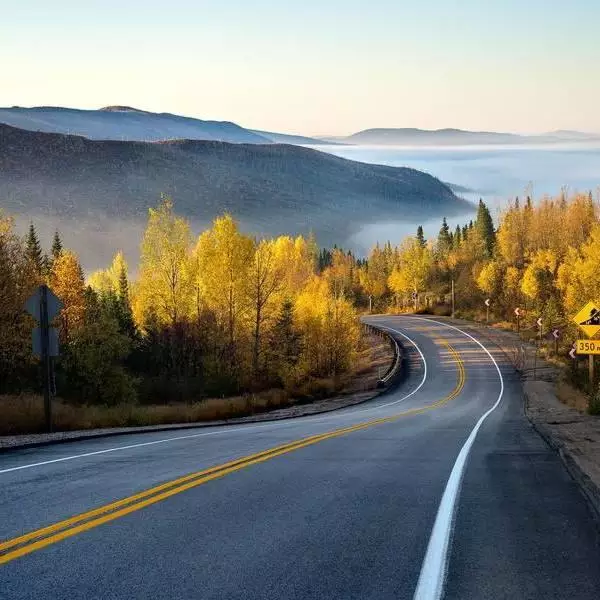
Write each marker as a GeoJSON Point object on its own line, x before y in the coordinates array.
{"type": "Point", "coordinates": [571, 396]}
{"type": "Point", "coordinates": [25, 413]}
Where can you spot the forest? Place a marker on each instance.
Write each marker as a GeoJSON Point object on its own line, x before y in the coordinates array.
{"type": "Point", "coordinates": [220, 315]}
{"type": "Point", "coordinates": [225, 313]}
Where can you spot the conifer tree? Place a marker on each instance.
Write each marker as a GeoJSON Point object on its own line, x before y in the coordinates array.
{"type": "Point", "coordinates": [444, 242]}
{"type": "Point", "coordinates": [57, 246]}
{"type": "Point", "coordinates": [33, 251]}
{"type": "Point", "coordinates": [485, 226]}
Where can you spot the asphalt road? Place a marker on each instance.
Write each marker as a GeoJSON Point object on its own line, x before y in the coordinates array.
{"type": "Point", "coordinates": [438, 488]}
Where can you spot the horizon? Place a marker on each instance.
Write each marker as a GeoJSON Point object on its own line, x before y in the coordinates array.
{"type": "Point", "coordinates": [306, 134]}
{"type": "Point", "coordinates": [325, 70]}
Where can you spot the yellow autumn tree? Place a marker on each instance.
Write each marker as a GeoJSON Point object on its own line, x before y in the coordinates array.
{"type": "Point", "coordinates": [295, 259]}
{"type": "Point", "coordinates": [578, 277]}
{"type": "Point", "coordinates": [412, 269]}
{"type": "Point", "coordinates": [265, 281]}
{"type": "Point", "coordinates": [164, 285]}
{"type": "Point", "coordinates": [491, 277]}
{"type": "Point", "coordinates": [222, 258]}
{"type": "Point", "coordinates": [329, 327]}
{"type": "Point", "coordinates": [106, 281]}
{"type": "Point", "coordinates": [374, 274]}
{"type": "Point", "coordinates": [67, 282]}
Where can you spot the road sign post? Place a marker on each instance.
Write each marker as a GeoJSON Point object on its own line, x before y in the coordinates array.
{"type": "Point", "coordinates": [556, 336]}
{"type": "Point", "coordinates": [518, 313]}
{"type": "Point", "coordinates": [487, 311]}
{"type": "Point", "coordinates": [588, 320]}
{"type": "Point", "coordinates": [43, 306]}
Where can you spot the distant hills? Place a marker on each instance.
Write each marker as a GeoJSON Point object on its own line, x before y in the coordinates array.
{"type": "Point", "coordinates": [456, 137]}
{"type": "Point", "coordinates": [272, 189]}
{"type": "Point", "coordinates": [131, 124]}
{"type": "Point", "coordinates": [126, 123]}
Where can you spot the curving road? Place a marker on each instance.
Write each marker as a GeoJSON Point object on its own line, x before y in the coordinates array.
{"type": "Point", "coordinates": [438, 488]}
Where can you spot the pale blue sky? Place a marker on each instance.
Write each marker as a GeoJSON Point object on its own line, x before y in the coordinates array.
{"type": "Point", "coordinates": [312, 66]}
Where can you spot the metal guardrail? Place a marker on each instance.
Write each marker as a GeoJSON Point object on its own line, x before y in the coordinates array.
{"type": "Point", "coordinates": [393, 369]}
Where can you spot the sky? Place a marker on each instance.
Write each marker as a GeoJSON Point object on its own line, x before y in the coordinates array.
{"type": "Point", "coordinates": [315, 67]}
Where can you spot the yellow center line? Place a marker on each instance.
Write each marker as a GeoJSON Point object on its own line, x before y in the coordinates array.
{"type": "Point", "coordinates": [61, 530]}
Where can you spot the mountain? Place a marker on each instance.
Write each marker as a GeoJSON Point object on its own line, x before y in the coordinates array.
{"type": "Point", "coordinates": [454, 137]}
{"type": "Point", "coordinates": [272, 189]}
{"type": "Point", "coordinates": [131, 124]}
{"type": "Point", "coordinates": [569, 134]}
{"type": "Point", "coordinates": [126, 123]}
{"type": "Point", "coordinates": [285, 138]}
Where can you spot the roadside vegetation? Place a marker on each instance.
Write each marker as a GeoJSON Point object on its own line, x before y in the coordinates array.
{"type": "Point", "coordinates": [542, 257]}
{"type": "Point", "coordinates": [254, 324]}
{"type": "Point", "coordinates": [213, 327]}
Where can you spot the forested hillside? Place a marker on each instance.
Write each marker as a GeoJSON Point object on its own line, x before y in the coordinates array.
{"type": "Point", "coordinates": [269, 189]}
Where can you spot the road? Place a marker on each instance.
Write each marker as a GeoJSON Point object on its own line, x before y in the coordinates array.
{"type": "Point", "coordinates": [438, 488]}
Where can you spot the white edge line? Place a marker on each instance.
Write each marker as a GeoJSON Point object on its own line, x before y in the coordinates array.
{"type": "Point", "coordinates": [128, 447]}
{"type": "Point", "coordinates": [434, 568]}
{"type": "Point", "coordinates": [220, 431]}
{"type": "Point", "coordinates": [420, 384]}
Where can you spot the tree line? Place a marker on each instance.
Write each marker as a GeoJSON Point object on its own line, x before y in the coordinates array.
{"type": "Point", "coordinates": [225, 313]}
{"type": "Point", "coordinates": [542, 257]}
{"type": "Point", "coordinates": [221, 314]}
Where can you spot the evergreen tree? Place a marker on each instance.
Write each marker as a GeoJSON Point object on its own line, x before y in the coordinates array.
{"type": "Point", "coordinates": [57, 246]}
{"type": "Point", "coordinates": [286, 342]}
{"type": "Point", "coordinates": [444, 238]}
{"type": "Point", "coordinates": [457, 236]}
{"type": "Point", "coordinates": [33, 251]}
{"type": "Point", "coordinates": [485, 226]}
{"type": "Point", "coordinates": [420, 236]}
{"type": "Point", "coordinates": [125, 314]}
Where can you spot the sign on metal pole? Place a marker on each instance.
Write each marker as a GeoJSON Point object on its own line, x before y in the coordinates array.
{"type": "Point", "coordinates": [44, 306]}
{"type": "Point", "coordinates": [573, 352]}
{"type": "Point", "coordinates": [487, 301]}
{"type": "Point", "coordinates": [36, 338]}
{"type": "Point", "coordinates": [588, 319]}
{"type": "Point", "coordinates": [33, 305]}
{"type": "Point", "coordinates": [588, 346]}
{"type": "Point", "coordinates": [556, 333]}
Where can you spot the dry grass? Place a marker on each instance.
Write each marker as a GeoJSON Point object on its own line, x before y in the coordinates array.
{"type": "Point", "coordinates": [572, 397]}
{"type": "Point", "coordinates": [25, 414]}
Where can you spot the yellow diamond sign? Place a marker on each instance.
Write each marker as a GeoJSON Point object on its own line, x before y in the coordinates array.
{"type": "Point", "coordinates": [588, 319]}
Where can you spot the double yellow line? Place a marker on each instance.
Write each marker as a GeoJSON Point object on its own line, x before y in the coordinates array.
{"type": "Point", "coordinates": [40, 538]}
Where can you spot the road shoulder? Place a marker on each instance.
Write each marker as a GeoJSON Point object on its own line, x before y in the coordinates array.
{"type": "Point", "coordinates": [573, 434]}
